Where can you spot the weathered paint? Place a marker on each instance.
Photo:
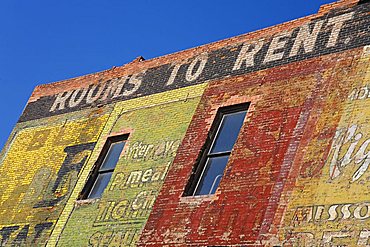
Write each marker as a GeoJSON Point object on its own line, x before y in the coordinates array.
{"type": "Point", "coordinates": [323, 35]}
{"type": "Point", "coordinates": [298, 174]}
{"type": "Point", "coordinates": [41, 169]}
{"type": "Point", "coordinates": [154, 136]}
{"type": "Point", "coordinates": [247, 202]}
{"type": "Point", "coordinates": [330, 200]}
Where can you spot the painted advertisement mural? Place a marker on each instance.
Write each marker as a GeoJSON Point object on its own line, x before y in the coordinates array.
{"type": "Point", "coordinates": [155, 129]}
{"type": "Point", "coordinates": [333, 32]}
{"type": "Point", "coordinates": [241, 209]}
{"type": "Point", "coordinates": [42, 167]}
{"type": "Point", "coordinates": [330, 205]}
{"type": "Point", "coordinates": [299, 174]}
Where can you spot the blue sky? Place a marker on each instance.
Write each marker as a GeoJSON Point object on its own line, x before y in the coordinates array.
{"type": "Point", "coordinates": [45, 41]}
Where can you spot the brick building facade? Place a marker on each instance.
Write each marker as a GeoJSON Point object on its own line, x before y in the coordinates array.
{"type": "Point", "coordinates": [257, 140]}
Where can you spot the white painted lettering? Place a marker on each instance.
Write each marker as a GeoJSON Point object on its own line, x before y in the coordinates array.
{"type": "Point", "coordinates": [306, 38]}
{"type": "Point", "coordinates": [277, 43]}
{"type": "Point", "coordinates": [363, 238]}
{"type": "Point", "coordinates": [192, 75]}
{"type": "Point", "coordinates": [328, 237]}
{"type": "Point", "coordinates": [91, 98]}
{"type": "Point", "coordinates": [134, 177]}
{"type": "Point", "coordinates": [362, 211]}
{"type": "Point", "coordinates": [349, 141]}
{"type": "Point", "coordinates": [332, 212]}
{"type": "Point", "coordinates": [364, 158]}
{"type": "Point", "coordinates": [362, 94]}
{"type": "Point", "coordinates": [246, 55]}
{"type": "Point", "coordinates": [319, 212]}
{"type": "Point", "coordinates": [139, 201]}
{"type": "Point", "coordinates": [60, 101]}
{"type": "Point", "coordinates": [147, 175]}
{"type": "Point", "coordinates": [345, 211]}
{"type": "Point", "coordinates": [77, 97]}
{"type": "Point", "coordinates": [353, 95]}
{"type": "Point", "coordinates": [114, 88]}
{"type": "Point", "coordinates": [135, 80]}
{"type": "Point", "coordinates": [173, 74]}
{"type": "Point", "coordinates": [337, 23]}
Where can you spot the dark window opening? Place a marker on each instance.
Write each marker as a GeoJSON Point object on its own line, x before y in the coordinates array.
{"type": "Point", "coordinates": [104, 167]}
{"type": "Point", "coordinates": [224, 132]}
{"type": "Point", "coordinates": [363, 1]}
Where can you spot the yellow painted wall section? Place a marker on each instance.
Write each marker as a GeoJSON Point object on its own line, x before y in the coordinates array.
{"type": "Point", "coordinates": [38, 173]}
{"type": "Point", "coordinates": [333, 207]}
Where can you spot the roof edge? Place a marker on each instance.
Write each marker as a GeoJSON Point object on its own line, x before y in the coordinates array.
{"type": "Point", "coordinates": [140, 64]}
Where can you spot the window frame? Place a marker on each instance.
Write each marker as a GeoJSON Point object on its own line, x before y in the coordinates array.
{"type": "Point", "coordinates": [362, 2]}
{"type": "Point", "coordinates": [89, 185]}
{"type": "Point", "coordinates": [204, 154]}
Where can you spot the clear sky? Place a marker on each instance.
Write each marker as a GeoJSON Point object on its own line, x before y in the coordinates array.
{"type": "Point", "coordinates": [43, 41]}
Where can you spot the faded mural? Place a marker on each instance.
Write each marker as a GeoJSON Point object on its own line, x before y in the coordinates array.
{"type": "Point", "coordinates": [154, 137]}
{"type": "Point", "coordinates": [42, 167]}
{"type": "Point", "coordinates": [330, 205]}
{"type": "Point", "coordinates": [299, 175]}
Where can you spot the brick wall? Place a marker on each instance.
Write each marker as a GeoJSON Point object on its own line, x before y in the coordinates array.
{"type": "Point", "coordinates": [154, 137]}
{"type": "Point", "coordinates": [285, 122]}
{"type": "Point", "coordinates": [41, 165]}
{"type": "Point", "coordinates": [298, 174]}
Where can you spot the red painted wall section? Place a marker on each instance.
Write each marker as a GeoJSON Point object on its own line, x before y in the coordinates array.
{"type": "Point", "coordinates": [286, 103]}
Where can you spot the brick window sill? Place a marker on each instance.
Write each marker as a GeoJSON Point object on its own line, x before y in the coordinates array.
{"type": "Point", "coordinates": [198, 199]}
{"type": "Point", "coordinates": [85, 202]}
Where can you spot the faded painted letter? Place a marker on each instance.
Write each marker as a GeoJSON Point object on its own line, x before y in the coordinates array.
{"type": "Point", "coordinates": [192, 75]}
{"type": "Point", "coordinates": [60, 101]}
{"type": "Point", "coordinates": [277, 43]}
{"type": "Point", "coordinates": [135, 80]}
{"type": "Point", "coordinates": [337, 23]}
{"type": "Point", "coordinates": [77, 97]}
{"type": "Point", "coordinates": [306, 38]}
{"type": "Point", "coordinates": [114, 88]}
{"type": "Point", "coordinates": [363, 238]}
{"type": "Point", "coordinates": [173, 74]}
{"type": "Point", "coordinates": [91, 98]}
{"type": "Point", "coordinates": [246, 55]}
